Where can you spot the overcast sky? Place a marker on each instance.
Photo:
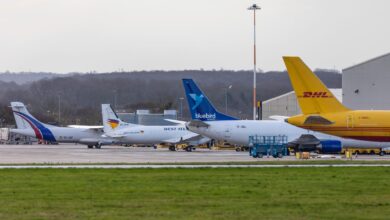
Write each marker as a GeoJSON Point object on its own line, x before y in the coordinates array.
{"type": "Point", "coordinates": [109, 35]}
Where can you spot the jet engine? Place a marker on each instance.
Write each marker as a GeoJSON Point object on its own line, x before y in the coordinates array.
{"type": "Point", "coordinates": [309, 143]}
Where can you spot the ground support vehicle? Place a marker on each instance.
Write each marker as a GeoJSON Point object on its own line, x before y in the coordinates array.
{"type": "Point", "coordinates": [275, 146]}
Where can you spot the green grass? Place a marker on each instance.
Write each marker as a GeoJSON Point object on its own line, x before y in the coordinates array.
{"type": "Point", "coordinates": [232, 193]}
{"type": "Point", "coordinates": [260, 162]}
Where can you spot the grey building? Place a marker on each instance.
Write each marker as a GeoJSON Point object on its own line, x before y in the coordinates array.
{"type": "Point", "coordinates": [287, 104]}
{"type": "Point", "coordinates": [367, 84]}
{"type": "Point", "coordinates": [144, 117]}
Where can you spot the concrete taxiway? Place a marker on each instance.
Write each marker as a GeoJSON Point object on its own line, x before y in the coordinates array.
{"type": "Point", "coordinates": [69, 153]}
{"type": "Point", "coordinates": [182, 166]}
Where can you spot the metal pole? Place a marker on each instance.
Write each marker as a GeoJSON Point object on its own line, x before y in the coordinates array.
{"type": "Point", "coordinates": [59, 109]}
{"type": "Point", "coordinates": [254, 65]}
{"type": "Point", "coordinates": [226, 95]}
{"type": "Point", "coordinates": [254, 7]}
{"type": "Point", "coordinates": [181, 108]}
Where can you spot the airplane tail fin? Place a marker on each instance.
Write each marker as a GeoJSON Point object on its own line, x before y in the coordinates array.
{"type": "Point", "coordinates": [111, 121]}
{"type": "Point", "coordinates": [313, 96]}
{"type": "Point", "coordinates": [200, 106]}
{"type": "Point", "coordinates": [22, 116]}
{"type": "Point", "coordinates": [24, 120]}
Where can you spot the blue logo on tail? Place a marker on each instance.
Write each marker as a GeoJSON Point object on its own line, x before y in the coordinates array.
{"type": "Point", "coordinates": [197, 99]}
{"type": "Point", "coordinates": [199, 105]}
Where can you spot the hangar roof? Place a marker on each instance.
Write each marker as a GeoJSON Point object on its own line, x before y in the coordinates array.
{"type": "Point", "coordinates": [367, 61]}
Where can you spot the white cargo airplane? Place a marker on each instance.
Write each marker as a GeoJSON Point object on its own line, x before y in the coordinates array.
{"type": "Point", "coordinates": [207, 121]}
{"type": "Point", "coordinates": [128, 133]}
{"type": "Point", "coordinates": [28, 125]}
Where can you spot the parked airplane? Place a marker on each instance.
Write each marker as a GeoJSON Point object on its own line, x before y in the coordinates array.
{"type": "Point", "coordinates": [322, 112]}
{"type": "Point", "coordinates": [30, 126]}
{"type": "Point", "coordinates": [141, 134]}
{"type": "Point", "coordinates": [207, 121]}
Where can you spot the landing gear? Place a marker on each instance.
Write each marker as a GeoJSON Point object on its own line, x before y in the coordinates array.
{"type": "Point", "coordinates": [382, 153]}
{"type": "Point", "coordinates": [189, 148]}
{"type": "Point", "coordinates": [98, 146]}
{"type": "Point", "coordinates": [172, 148]}
{"type": "Point", "coordinates": [90, 146]}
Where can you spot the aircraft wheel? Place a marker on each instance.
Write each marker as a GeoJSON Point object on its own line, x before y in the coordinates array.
{"type": "Point", "coordinates": [382, 153]}
{"type": "Point", "coordinates": [172, 148]}
{"type": "Point", "coordinates": [189, 148]}
{"type": "Point", "coordinates": [90, 146]}
{"type": "Point", "coordinates": [280, 155]}
{"type": "Point", "coordinates": [98, 146]}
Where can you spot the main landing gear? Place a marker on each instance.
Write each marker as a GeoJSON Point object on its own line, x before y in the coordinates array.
{"type": "Point", "coordinates": [97, 146]}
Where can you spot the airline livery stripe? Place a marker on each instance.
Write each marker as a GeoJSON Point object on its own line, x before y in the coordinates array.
{"type": "Point", "coordinates": [41, 132]}
{"type": "Point", "coordinates": [347, 129]}
{"type": "Point", "coordinates": [37, 132]}
{"type": "Point", "coordinates": [370, 138]}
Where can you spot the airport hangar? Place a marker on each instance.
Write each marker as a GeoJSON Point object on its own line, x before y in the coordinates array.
{"type": "Point", "coordinates": [364, 86]}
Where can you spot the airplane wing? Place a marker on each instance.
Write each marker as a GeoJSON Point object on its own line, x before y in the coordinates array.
{"type": "Point", "coordinates": [192, 139]}
{"type": "Point", "coordinates": [181, 139]}
{"type": "Point", "coordinates": [114, 134]}
{"type": "Point", "coordinates": [86, 126]}
{"type": "Point", "coordinates": [176, 121]}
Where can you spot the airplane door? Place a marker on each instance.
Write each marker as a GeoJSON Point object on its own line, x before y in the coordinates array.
{"type": "Point", "coordinates": [227, 132]}
{"type": "Point", "coordinates": [350, 122]}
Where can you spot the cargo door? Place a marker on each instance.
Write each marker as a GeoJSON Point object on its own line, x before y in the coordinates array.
{"type": "Point", "coordinates": [350, 121]}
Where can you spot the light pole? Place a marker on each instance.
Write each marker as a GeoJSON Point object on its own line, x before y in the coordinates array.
{"type": "Point", "coordinates": [59, 109]}
{"type": "Point", "coordinates": [226, 98]}
{"type": "Point", "coordinates": [181, 107]}
{"type": "Point", "coordinates": [254, 7]}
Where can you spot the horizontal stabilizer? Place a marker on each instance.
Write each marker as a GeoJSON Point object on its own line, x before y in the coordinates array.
{"type": "Point", "coordinates": [197, 124]}
{"type": "Point", "coordinates": [278, 117]}
{"type": "Point", "coordinates": [317, 120]}
{"type": "Point", "coordinates": [176, 121]}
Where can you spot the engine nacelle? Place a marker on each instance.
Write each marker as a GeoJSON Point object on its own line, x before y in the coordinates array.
{"type": "Point", "coordinates": [330, 146]}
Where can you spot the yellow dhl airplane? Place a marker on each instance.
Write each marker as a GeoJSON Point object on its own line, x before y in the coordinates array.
{"type": "Point", "coordinates": [322, 112]}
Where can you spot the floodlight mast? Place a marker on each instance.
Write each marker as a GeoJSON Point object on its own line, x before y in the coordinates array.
{"type": "Point", "coordinates": [254, 7]}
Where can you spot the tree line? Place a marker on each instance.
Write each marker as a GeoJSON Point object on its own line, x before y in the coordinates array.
{"type": "Point", "coordinates": [79, 95]}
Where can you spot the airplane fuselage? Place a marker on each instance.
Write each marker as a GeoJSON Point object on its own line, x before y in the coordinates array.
{"type": "Point", "coordinates": [63, 134]}
{"type": "Point", "coordinates": [238, 132]}
{"type": "Point", "coordinates": [152, 134]}
{"type": "Point", "coordinates": [368, 125]}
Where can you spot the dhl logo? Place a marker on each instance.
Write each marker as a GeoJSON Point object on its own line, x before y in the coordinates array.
{"type": "Point", "coordinates": [316, 95]}
{"type": "Point", "coordinates": [113, 123]}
